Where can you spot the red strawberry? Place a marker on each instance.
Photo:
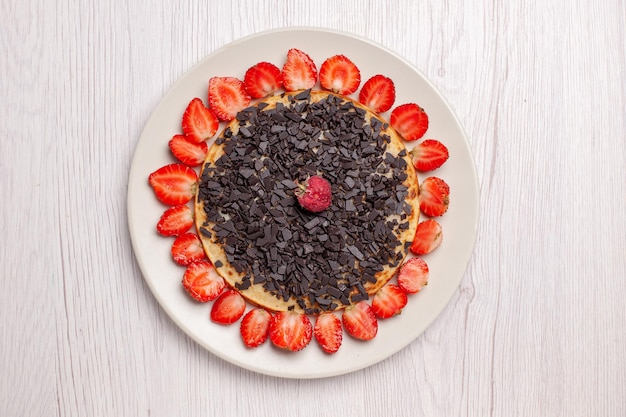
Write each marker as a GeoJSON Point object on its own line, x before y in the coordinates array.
{"type": "Point", "coordinates": [314, 194]}
{"type": "Point", "coordinates": [428, 237]}
{"type": "Point", "coordinates": [174, 184]}
{"type": "Point", "coordinates": [227, 96]}
{"type": "Point", "coordinates": [429, 155]}
{"type": "Point", "coordinates": [187, 248]}
{"type": "Point", "coordinates": [389, 301]}
{"type": "Point", "coordinates": [413, 275]}
{"type": "Point", "coordinates": [434, 196]}
{"type": "Point", "coordinates": [255, 327]}
{"type": "Point", "coordinates": [340, 75]}
{"type": "Point", "coordinates": [299, 72]}
{"type": "Point", "coordinates": [228, 308]}
{"type": "Point", "coordinates": [328, 332]}
{"type": "Point", "coordinates": [291, 331]}
{"type": "Point", "coordinates": [410, 121]}
{"type": "Point", "coordinates": [378, 93]}
{"type": "Point", "coordinates": [360, 321]}
{"type": "Point", "coordinates": [262, 79]}
{"type": "Point", "coordinates": [175, 220]}
{"type": "Point", "coordinates": [188, 151]}
{"type": "Point", "coordinates": [202, 282]}
{"type": "Point", "coordinates": [199, 122]}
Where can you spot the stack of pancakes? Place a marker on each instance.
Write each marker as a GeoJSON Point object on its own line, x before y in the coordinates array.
{"type": "Point", "coordinates": [280, 256]}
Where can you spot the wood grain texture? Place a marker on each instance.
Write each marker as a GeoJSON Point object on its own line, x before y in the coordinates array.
{"type": "Point", "coordinates": [538, 325]}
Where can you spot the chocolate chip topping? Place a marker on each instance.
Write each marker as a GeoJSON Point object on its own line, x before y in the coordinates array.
{"type": "Point", "coordinates": [319, 261]}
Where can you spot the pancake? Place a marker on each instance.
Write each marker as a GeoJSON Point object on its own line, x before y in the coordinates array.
{"type": "Point", "coordinates": [276, 254]}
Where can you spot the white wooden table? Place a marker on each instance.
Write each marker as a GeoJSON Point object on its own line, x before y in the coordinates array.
{"type": "Point", "coordinates": [538, 325]}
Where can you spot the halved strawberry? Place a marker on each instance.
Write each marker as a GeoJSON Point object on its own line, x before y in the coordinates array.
{"type": "Point", "coordinates": [328, 333]}
{"type": "Point", "coordinates": [187, 248]}
{"type": "Point", "coordinates": [175, 220]}
{"type": "Point", "coordinates": [409, 120]}
{"type": "Point", "coordinates": [413, 275]}
{"type": "Point", "coordinates": [434, 196]}
{"type": "Point", "coordinates": [174, 184]}
{"type": "Point", "coordinates": [199, 123]}
{"type": "Point", "coordinates": [428, 155]}
{"type": "Point", "coordinates": [188, 151]}
{"type": "Point", "coordinates": [262, 79]}
{"type": "Point", "coordinates": [228, 308]}
{"type": "Point", "coordinates": [340, 75]}
{"type": "Point", "coordinates": [227, 96]}
{"type": "Point", "coordinates": [202, 282]}
{"type": "Point", "coordinates": [428, 237]}
{"type": "Point", "coordinates": [299, 72]}
{"type": "Point", "coordinates": [291, 331]}
{"type": "Point", "coordinates": [360, 321]}
{"type": "Point", "coordinates": [389, 301]}
{"type": "Point", "coordinates": [255, 327]}
{"type": "Point", "coordinates": [378, 93]}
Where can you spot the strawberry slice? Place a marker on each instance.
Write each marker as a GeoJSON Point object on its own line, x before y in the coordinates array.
{"type": "Point", "coordinates": [186, 249]}
{"type": "Point", "coordinates": [327, 332]}
{"type": "Point", "coordinates": [409, 120]}
{"type": "Point", "coordinates": [262, 79]}
{"type": "Point", "coordinates": [290, 331]}
{"type": "Point", "coordinates": [360, 321]}
{"type": "Point", "coordinates": [429, 155]}
{"type": "Point", "coordinates": [255, 327]}
{"type": "Point", "coordinates": [428, 237]}
{"type": "Point", "coordinates": [378, 93]}
{"type": "Point", "coordinates": [227, 96]}
{"type": "Point", "coordinates": [434, 196]}
{"type": "Point", "coordinates": [202, 282]}
{"type": "Point", "coordinates": [175, 221]}
{"type": "Point", "coordinates": [188, 151]}
{"type": "Point", "coordinates": [389, 301]}
{"type": "Point", "coordinates": [228, 308]}
{"type": "Point", "coordinates": [299, 72]}
{"type": "Point", "coordinates": [413, 275]}
{"type": "Point", "coordinates": [199, 123]}
{"type": "Point", "coordinates": [340, 75]}
{"type": "Point", "coordinates": [174, 184]}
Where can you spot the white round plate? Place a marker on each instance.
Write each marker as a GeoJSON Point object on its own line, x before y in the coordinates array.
{"type": "Point", "coordinates": [447, 263]}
